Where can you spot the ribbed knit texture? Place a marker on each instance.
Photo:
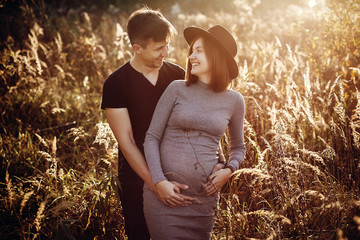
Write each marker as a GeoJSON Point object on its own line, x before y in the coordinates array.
{"type": "Point", "coordinates": [181, 145]}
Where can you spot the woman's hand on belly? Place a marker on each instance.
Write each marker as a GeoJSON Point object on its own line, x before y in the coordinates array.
{"type": "Point", "coordinates": [169, 194]}
{"type": "Point", "coordinates": [216, 181]}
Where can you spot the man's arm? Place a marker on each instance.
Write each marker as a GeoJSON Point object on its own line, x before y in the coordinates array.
{"type": "Point", "coordinates": [119, 121]}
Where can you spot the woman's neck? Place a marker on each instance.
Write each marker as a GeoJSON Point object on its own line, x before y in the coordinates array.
{"type": "Point", "coordinates": [204, 79]}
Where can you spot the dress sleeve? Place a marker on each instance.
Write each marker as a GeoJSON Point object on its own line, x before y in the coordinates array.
{"type": "Point", "coordinates": [236, 134]}
{"type": "Point", "coordinates": [155, 132]}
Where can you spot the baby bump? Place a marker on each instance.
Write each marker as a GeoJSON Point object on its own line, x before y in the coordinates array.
{"type": "Point", "coordinates": [187, 164]}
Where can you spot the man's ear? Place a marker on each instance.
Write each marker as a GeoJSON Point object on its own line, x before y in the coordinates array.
{"type": "Point", "coordinates": [137, 48]}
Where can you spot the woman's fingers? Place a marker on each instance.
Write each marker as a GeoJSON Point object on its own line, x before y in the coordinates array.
{"type": "Point", "coordinates": [210, 188]}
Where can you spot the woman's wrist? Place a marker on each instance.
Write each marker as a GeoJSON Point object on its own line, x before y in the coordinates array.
{"type": "Point", "coordinates": [229, 167]}
{"type": "Point", "coordinates": [221, 160]}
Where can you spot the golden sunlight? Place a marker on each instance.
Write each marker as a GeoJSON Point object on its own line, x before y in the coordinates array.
{"type": "Point", "coordinates": [312, 3]}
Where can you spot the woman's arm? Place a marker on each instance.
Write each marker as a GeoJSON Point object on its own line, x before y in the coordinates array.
{"type": "Point", "coordinates": [167, 192]}
{"type": "Point", "coordinates": [237, 150]}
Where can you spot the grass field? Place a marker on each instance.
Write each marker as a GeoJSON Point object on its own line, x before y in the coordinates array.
{"type": "Point", "coordinates": [299, 74]}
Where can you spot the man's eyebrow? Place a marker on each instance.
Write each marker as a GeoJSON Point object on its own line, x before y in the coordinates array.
{"type": "Point", "coordinates": [160, 47]}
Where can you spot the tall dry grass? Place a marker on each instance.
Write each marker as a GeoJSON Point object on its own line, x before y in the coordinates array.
{"type": "Point", "coordinates": [299, 74]}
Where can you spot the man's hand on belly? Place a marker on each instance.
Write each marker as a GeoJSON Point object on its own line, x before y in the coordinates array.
{"type": "Point", "coordinates": [169, 194]}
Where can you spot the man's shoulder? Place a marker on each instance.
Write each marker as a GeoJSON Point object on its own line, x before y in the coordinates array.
{"type": "Point", "coordinates": [119, 73]}
{"type": "Point", "coordinates": [169, 66]}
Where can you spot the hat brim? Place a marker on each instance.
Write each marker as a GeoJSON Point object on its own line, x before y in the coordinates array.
{"type": "Point", "coordinates": [191, 33]}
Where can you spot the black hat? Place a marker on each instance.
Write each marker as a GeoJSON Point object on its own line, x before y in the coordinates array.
{"type": "Point", "coordinates": [223, 38]}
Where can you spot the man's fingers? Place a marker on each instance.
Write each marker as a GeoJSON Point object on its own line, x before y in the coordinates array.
{"type": "Point", "coordinates": [167, 203]}
{"type": "Point", "coordinates": [187, 198]}
{"type": "Point", "coordinates": [179, 185]}
{"type": "Point", "coordinates": [181, 200]}
{"type": "Point", "coordinates": [177, 198]}
{"type": "Point", "coordinates": [176, 189]}
{"type": "Point", "coordinates": [176, 202]}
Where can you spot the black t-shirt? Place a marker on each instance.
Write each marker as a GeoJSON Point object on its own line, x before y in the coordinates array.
{"type": "Point", "coordinates": [128, 88]}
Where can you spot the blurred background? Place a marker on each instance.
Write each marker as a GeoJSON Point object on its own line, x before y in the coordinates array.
{"type": "Point", "coordinates": [299, 67]}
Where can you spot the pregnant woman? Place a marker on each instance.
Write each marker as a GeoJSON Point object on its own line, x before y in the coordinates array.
{"type": "Point", "coordinates": [183, 138]}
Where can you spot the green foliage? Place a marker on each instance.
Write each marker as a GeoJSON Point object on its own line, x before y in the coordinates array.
{"type": "Point", "coordinates": [299, 74]}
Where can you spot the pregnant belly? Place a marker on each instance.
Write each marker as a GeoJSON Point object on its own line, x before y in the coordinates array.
{"type": "Point", "coordinates": [186, 164]}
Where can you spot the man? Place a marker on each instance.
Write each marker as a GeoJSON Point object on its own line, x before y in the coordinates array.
{"type": "Point", "coordinates": [130, 95]}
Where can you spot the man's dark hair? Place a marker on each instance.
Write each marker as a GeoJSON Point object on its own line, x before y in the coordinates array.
{"type": "Point", "coordinates": [145, 24]}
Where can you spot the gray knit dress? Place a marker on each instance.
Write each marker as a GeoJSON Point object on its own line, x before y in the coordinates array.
{"type": "Point", "coordinates": [181, 145]}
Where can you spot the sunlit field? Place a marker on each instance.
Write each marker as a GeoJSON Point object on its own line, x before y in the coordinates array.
{"type": "Point", "coordinates": [299, 67]}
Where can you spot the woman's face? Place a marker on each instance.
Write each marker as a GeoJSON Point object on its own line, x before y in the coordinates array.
{"type": "Point", "coordinates": [199, 62]}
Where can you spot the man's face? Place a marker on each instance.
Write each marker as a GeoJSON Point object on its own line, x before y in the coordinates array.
{"type": "Point", "coordinates": [154, 53]}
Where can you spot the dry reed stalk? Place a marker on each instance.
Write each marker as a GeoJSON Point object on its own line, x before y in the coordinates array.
{"type": "Point", "coordinates": [313, 198]}
{"type": "Point", "coordinates": [244, 71]}
{"type": "Point", "coordinates": [105, 136]}
{"type": "Point", "coordinates": [331, 90]}
{"type": "Point", "coordinates": [25, 200]}
{"type": "Point", "coordinates": [268, 219]}
{"type": "Point", "coordinates": [302, 166]}
{"type": "Point", "coordinates": [58, 43]}
{"type": "Point", "coordinates": [39, 216]}
{"type": "Point", "coordinates": [313, 158]}
{"type": "Point", "coordinates": [306, 108]}
{"type": "Point", "coordinates": [355, 122]}
{"type": "Point", "coordinates": [10, 191]}
{"type": "Point", "coordinates": [357, 221]}
{"type": "Point", "coordinates": [339, 109]}
{"type": "Point", "coordinates": [328, 152]}
{"type": "Point", "coordinates": [292, 58]}
{"type": "Point", "coordinates": [62, 206]}
{"type": "Point", "coordinates": [53, 147]}
{"type": "Point", "coordinates": [252, 187]}
{"type": "Point", "coordinates": [77, 133]}
{"type": "Point", "coordinates": [258, 157]}
{"type": "Point", "coordinates": [34, 45]}
{"type": "Point", "coordinates": [251, 173]}
{"type": "Point", "coordinates": [41, 140]}
{"type": "Point", "coordinates": [340, 235]}
{"type": "Point", "coordinates": [307, 82]}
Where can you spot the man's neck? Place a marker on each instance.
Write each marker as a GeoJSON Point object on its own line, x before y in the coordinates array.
{"type": "Point", "coordinates": [139, 66]}
{"type": "Point", "coordinates": [149, 72]}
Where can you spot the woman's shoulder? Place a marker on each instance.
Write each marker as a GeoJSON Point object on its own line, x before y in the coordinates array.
{"type": "Point", "coordinates": [235, 94]}
{"type": "Point", "coordinates": [176, 84]}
